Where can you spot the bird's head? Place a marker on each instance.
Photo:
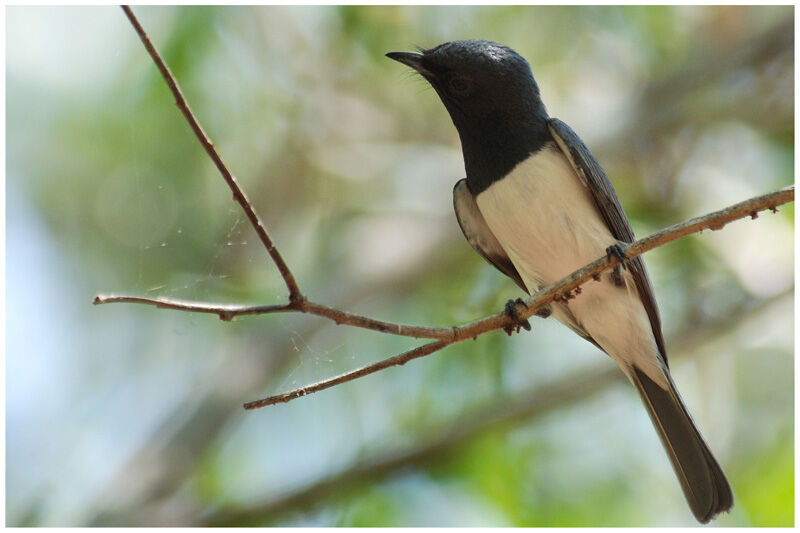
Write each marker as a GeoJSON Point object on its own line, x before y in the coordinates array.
{"type": "Point", "coordinates": [480, 83]}
{"type": "Point", "coordinates": [491, 95]}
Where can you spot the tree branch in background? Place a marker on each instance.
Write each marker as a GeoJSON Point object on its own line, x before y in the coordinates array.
{"type": "Point", "coordinates": [494, 415]}
{"type": "Point", "coordinates": [565, 289]}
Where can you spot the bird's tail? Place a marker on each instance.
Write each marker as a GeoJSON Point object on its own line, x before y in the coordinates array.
{"type": "Point", "coordinates": [702, 480]}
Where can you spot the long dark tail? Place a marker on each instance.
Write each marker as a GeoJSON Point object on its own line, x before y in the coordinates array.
{"type": "Point", "coordinates": [702, 480]}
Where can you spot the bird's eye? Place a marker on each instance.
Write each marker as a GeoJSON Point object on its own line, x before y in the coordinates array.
{"type": "Point", "coordinates": [459, 85]}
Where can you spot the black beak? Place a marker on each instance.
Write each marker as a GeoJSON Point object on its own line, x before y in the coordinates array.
{"type": "Point", "coordinates": [412, 59]}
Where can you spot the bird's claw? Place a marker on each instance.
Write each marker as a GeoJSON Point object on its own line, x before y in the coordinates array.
{"type": "Point", "coordinates": [511, 311]}
{"type": "Point", "coordinates": [616, 250]}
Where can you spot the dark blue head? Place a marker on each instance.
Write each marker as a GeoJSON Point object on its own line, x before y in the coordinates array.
{"type": "Point", "coordinates": [494, 102]}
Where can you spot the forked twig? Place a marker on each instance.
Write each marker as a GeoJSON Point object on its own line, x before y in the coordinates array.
{"type": "Point", "coordinates": [238, 193]}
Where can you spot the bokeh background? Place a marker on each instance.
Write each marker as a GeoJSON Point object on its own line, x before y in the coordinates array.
{"type": "Point", "coordinates": [131, 415]}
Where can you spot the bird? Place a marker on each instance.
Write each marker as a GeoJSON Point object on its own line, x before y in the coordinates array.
{"type": "Point", "coordinates": [537, 205]}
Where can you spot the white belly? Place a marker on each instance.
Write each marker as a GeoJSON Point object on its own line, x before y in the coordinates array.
{"type": "Point", "coordinates": [546, 220]}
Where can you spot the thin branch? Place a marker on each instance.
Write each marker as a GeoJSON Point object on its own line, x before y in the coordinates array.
{"type": "Point", "coordinates": [238, 193]}
{"type": "Point", "coordinates": [225, 311]}
{"type": "Point", "coordinates": [228, 311]}
{"type": "Point", "coordinates": [562, 290]}
{"type": "Point", "coordinates": [403, 358]}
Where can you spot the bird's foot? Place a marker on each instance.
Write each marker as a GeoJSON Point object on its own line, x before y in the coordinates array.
{"type": "Point", "coordinates": [511, 311]}
{"type": "Point", "coordinates": [616, 250]}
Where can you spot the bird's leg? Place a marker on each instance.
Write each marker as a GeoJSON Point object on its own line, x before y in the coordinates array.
{"type": "Point", "coordinates": [511, 311]}
{"type": "Point", "coordinates": [616, 250]}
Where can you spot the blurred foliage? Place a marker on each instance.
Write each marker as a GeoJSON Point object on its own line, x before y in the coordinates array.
{"type": "Point", "coordinates": [773, 504]}
{"type": "Point", "coordinates": [350, 160]}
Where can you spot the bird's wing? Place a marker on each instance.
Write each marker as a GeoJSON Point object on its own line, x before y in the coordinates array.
{"type": "Point", "coordinates": [478, 233]}
{"type": "Point", "coordinates": [593, 176]}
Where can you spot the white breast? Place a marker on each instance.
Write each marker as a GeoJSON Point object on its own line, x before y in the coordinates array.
{"type": "Point", "coordinates": [547, 216]}
{"type": "Point", "coordinates": [546, 220]}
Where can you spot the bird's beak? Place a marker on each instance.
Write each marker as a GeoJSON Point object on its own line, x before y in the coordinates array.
{"type": "Point", "coordinates": [412, 59]}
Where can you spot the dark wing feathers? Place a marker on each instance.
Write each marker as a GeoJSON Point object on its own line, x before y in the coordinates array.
{"type": "Point", "coordinates": [478, 234]}
{"type": "Point", "coordinates": [592, 174]}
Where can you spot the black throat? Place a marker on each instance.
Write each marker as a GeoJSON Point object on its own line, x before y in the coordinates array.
{"type": "Point", "coordinates": [496, 145]}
